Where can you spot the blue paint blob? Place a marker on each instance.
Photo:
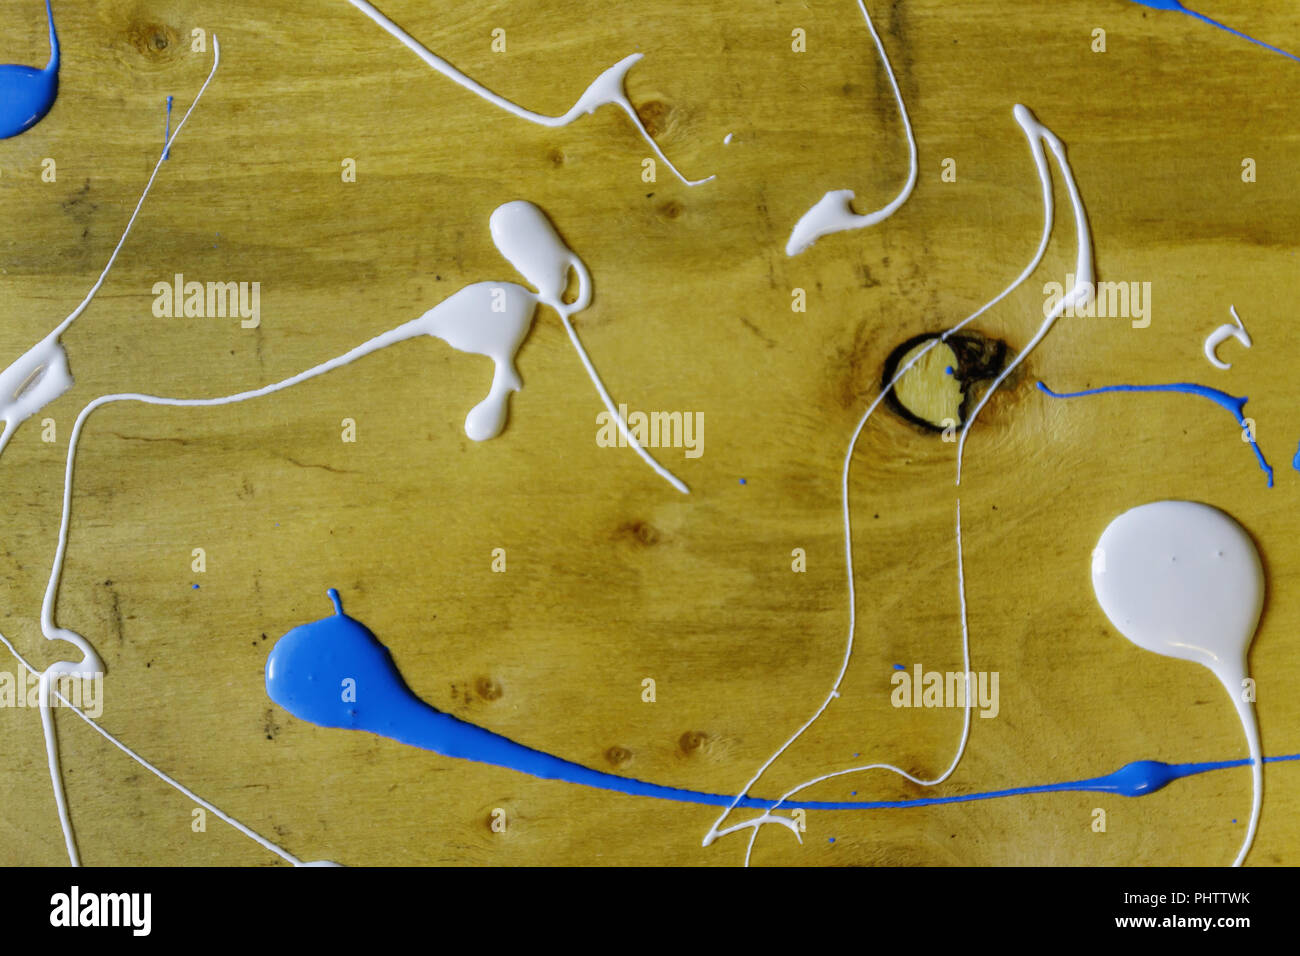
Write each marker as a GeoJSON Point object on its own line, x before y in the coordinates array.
{"type": "Point", "coordinates": [1233, 404]}
{"type": "Point", "coordinates": [194, 587]}
{"type": "Point", "coordinates": [899, 667]}
{"type": "Point", "coordinates": [1174, 5]}
{"type": "Point", "coordinates": [26, 93]}
{"type": "Point", "coordinates": [1295, 462]}
{"type": "Point", "coordinates": [335, 673]}
{"type": "Point", "coordinates": [742, 481]}
{"type": "Point", "coordinates": [830, 839]}
{"type": "Point", "coordinates": [948, 370]}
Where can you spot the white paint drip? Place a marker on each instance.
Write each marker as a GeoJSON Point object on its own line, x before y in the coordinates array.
{"type": "Point", "coordinates": [608, 89]}
{"type": "Point", "coordinates": [527, 239]}
{"type": "Point", "coordinates": [1221, 335]}
{"type": "Point", "coordinates": [1032, 132]}
{"type": "Point", "coordinates": [1185, 580]}
{"type": "Point", "coordinates": [41, 374]}
{"type": "Point", "coordinates": [1085, 283]}
{"type": "Point", "coordinates": [833, 212]}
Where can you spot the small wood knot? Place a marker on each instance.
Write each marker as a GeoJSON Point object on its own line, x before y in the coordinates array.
{"type": "Point", "coordinates": [671, 209]}
{"type": "Point", "coordinates": [692, 741]}
{"type": "Point", "coordinates": [154, 40]}
{"type": "Point", "coordinates": [641, 532]}
{"type": "Point", "coordinates": [617, 755]}
{"type": "Point", "coordinates": [488, 688]}
{"type": "Point", "coordinates": [556, 156]}
{"type": "Point", "coordinates": [654, 116]}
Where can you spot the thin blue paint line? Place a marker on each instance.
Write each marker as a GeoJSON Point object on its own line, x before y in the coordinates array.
{"type": "Point", "coordinates": [1233, 404]}
{"type": "Point", "coordinates": [1176, 6]}
{"type": "Point", "coordinates": [167, 131]}
{"type": "Point", "coordinates": [1106, 784]}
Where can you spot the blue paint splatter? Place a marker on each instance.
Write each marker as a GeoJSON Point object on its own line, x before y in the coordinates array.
{"type": "Point", "coordinates": [899, 667]}
{"type": "Point", "coordinates": [742, 481]}
{"type": "Point", "coordinates": [1179, 8]}
{"type": "Point", "coordinates": [1233, 404]}
{"type": "Point", "coordinates": [335, 673]}
{"type": "Point", "coordinates": [167, 130]}
{"type": "Point", "coordinates": [1295, 462]}
{"type": "Point", "coordinates": [830, 839]}
{"type": "Point", "coordinates": [26, 93]}
{"type": "Point", "coordinates": [194, 587]}
{"type": "Point", "coordinates": [948, 370]}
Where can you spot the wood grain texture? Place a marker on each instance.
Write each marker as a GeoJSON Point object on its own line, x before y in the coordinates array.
{"type": "Point", "coordinates": [612, 576]}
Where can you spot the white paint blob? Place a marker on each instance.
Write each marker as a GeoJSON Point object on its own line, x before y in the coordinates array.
{"type": "Point", "coordinates": [833, 212]}
{"type": "Point", "coordinates": [608, 89]}
{"type": "Point", "coordinates": [1184, 580]}
{"type": "Point", "coordinates": [1235, 330]}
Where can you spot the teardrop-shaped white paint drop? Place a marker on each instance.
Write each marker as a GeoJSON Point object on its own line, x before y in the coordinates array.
{"type": "Point", "coordinates": [1185, 580]}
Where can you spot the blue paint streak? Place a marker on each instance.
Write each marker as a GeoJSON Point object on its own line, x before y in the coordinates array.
{"type": "Point", "coordinates": [307, 669]}
{"type": "Point", "coordinates": [1295, 462]}
{"type": "Point", "coordinates": [167, 130]}
{"type": "Point", "coordinates": [26, 93]}
{"type": "Point", "coordinates": [899, 667]}
{"type": "Point", "coordinates": [1178, 7]}
{"type": "Point", "coordinates": [1233, 404]}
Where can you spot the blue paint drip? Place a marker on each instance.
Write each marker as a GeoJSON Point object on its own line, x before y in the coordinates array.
{"type": "Point", "coordinates": [310, 670]}
{"type": "Point", "coordinates": [167, 130]}
{"type": "Point", "coordinates": [1179, 8]}
{"type": "Point", "coordinates": [1233, 404]}
{"type": "Point", "coordinates": [26, 93]}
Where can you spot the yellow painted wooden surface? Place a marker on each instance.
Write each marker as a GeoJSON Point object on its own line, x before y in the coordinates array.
{"type": "Point", "coordinates": [612, 576]}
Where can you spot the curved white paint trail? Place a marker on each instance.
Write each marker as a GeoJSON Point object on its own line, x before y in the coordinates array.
{"type": "Point", "coordinates": [608, 89]}
{"type": "Point", "coordinates": [832, 213]}
{"type": "Point", "coordinates": [41, 374]}
{"type": "Point", "coordinates": [1085, 277]}
{"type": "Point", "coordinates": [1184, 580]}
{"type": "Point", "coordinates": [1221, 335]}
{"type": "Point", "coordinates": [1024, 118]}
